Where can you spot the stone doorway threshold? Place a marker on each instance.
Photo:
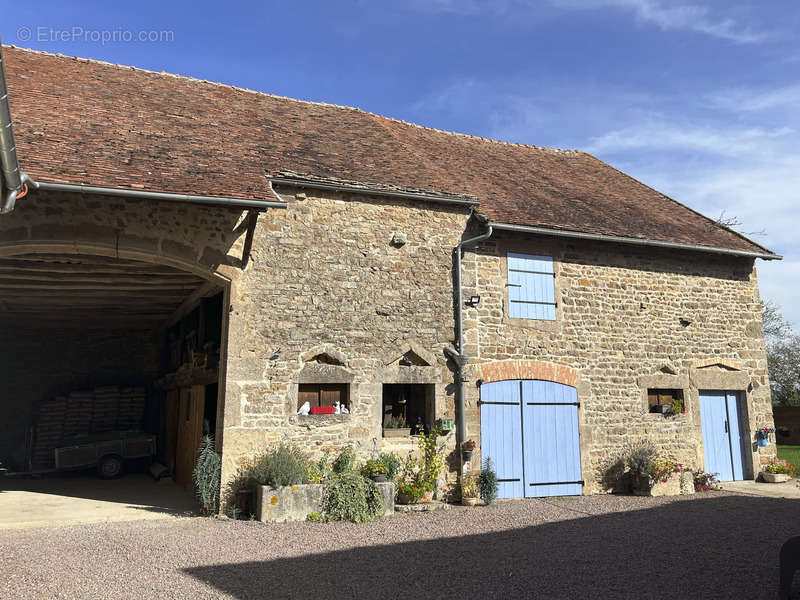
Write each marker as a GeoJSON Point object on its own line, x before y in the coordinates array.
{"type": "Point", "coordinates": [80, 498]}
{"type": "Point", "coordinates": [789, 489]}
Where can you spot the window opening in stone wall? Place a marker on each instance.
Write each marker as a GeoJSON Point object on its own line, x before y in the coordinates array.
{"type": "Point", "coordinates": [666, 401]}
{"type": "Point", "coordinates": [408, 409]}
{"type": "Point", "coordinates": [323, 398]}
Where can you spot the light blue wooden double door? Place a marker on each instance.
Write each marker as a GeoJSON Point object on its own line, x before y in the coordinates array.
{"type": "Point", "coordinates": [723, 446]}
{"type": "Point", "coordinates": [529, 430]}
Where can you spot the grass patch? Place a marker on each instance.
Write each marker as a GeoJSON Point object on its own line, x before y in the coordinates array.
{"type": "Point", "coordinates": [790, 453]}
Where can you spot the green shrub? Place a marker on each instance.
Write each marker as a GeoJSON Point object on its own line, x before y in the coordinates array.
{"type": "Point", "coordinates": [639, 456]}
{"type": "Point", "coordinates": [393, 464]}
{"type": "Point", "coordinates": [345, 461]}
{"type": "Point", "coordinates": [373, 468]}
{"type": "Point", "coordinates": [432, 458]}
{"type": "Point", "coordinates": [318, 470]}
{"type": "Point", "coordinates": [487, 482]}
{"type": "Point", "coordinates": [315, 517]}
{"type": "Point", "coordinates": [351, 497]}
{"type": "Point", "coordinates": [206, 476]}
{"type": "Point", "coordinates": [283, 465]}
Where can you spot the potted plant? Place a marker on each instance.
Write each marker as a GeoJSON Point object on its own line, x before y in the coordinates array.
{"type": "Point", "coordinates": [375, 470]}
{"type": "Point", "coordinates": [397, 427]}
{"type": "Point", "coordinates": [470, 491]}
{"type": "Point", "coordinates": [487, 482]}
{"type": "Point", "coordinates": [777, 471]}
{"type": "Point", "coordinates": [408, 493]}
{"type": "Point", "coordinates": [466, 449]}
{"type": "Point", "coordinates": [639, 457]}
{"type": "Point", "coordinates": [446, 424]}
{"type": "Point", "coordinates": [762, 435]}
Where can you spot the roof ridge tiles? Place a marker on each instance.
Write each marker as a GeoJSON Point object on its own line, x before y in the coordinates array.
{"type": "Point", "coordinates": [106, 63]}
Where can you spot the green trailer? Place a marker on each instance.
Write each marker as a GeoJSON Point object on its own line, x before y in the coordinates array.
{"type": "Point", "coordinates": [105, 451]}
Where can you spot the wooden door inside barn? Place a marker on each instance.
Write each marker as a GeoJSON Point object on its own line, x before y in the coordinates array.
{"type": "Point", "coordinates": [169, 420]}
{"type": "Point", "coordinates": [191, 408]}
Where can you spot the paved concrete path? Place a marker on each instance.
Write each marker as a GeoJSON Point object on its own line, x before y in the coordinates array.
{"type": "Point", "coordinates": [788, 489]}
{"type": "Point", "coordinates": [73, 499]}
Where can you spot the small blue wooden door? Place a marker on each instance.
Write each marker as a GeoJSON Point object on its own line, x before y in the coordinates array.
{"type": "Point", "coordinates": [722, 439]}
{"type": "Point", "coordinates": [529, 429]}
{"type": "Point", "coordinates": [501, 435]}
{"type": "Point", "coordinates": [552, 443]}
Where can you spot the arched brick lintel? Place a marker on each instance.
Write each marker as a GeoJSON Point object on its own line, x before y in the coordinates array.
{"type": "Point", "coordinates": [527, 369]}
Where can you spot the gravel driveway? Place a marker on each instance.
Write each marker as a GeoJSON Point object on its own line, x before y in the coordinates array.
{"type": "Point", "coordinates": [714, 545]}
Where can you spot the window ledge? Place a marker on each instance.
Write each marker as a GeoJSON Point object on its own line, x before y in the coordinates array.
{"type": "Point", "coordinates": [319, 419]}
{"type": "Point", "coordinates": [680, 417]}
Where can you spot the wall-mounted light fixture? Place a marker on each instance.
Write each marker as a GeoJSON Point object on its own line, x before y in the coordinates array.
{"type": "Point", "coordinates": [474, 301]}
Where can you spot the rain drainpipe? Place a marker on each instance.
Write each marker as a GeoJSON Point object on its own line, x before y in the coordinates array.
{"type": "Point", "coordinates": [12, 183]}
{"type": "Point", "coordinates": [457, 355]}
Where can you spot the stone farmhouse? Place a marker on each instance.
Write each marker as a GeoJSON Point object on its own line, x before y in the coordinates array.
{"type": "Point", "coordinates": [225, 256]}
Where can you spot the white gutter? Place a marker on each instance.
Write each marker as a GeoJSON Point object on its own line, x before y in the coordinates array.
{"type": "Point", "coordinates": [629, 240]}
{"type": "Point", "coordinates": [145, 195]}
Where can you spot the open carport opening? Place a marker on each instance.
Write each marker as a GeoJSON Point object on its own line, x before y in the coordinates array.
{"type": "Point", "coordinates": [98, 349]}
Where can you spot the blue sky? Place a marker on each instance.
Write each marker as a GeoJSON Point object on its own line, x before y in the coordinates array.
{"type": "Point", "coordinates": [697, 99]}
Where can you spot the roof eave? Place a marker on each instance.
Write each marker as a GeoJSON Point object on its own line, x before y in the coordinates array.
{"type": "Point", "coordinates": [629, 240]}
{"type": "Point", "coordinates": [336, 187]}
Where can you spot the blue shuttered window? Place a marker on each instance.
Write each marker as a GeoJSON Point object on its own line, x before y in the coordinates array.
{"type": "Point", "coordinates": [531, 287]}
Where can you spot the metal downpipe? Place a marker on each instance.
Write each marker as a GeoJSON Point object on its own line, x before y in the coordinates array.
{"type": "Point", "coordinates": [9, 165]}
{"type": "Point", "coordinates": [458, 355]}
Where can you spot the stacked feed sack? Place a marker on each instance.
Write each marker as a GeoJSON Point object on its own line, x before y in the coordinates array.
{"type": "Point", "coordinates": [105, 408]}
{"type": "Point", "coordinates": [78, 420]}
{"type": "Point", "coordinates": [49, 432]}
{"type": "Point", "coordinates": [131, 408]}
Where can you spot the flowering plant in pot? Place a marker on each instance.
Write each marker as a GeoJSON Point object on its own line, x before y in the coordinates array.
{"type": "Point", "coordinates": [762, 435]}
{"type": "Point", "coordinates": [396, 427]}
{"type": "Point", "coordinates": [466, 449]}
{"type": "Point", "coordinates": [778, 471]}
{"type": "Point", "coordinates": [704, 482]}
{"type": "Point", "coordinates": [375, 470]}
{"type": "Point", "coordinates": [470, 491]}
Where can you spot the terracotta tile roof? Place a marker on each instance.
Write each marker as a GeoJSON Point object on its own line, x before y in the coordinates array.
{"type": "Point", "coordinates": [87, 122]}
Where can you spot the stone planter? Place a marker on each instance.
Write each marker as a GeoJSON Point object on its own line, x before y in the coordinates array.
{"type": "Point", "coordinates": [670, 487]}
{"type": "Point", "coordinates": [397, 432]}
{"type": "Point", "coordinates": [687, 483]}
{"type": "Point", "coordinates": [294, 502]}
{"type": "Point", "coordinates": [469, 501]}
{"type": "Point", "coordinates": [406, 499]}
{"type": "Point", "coordinates": [774, 477]}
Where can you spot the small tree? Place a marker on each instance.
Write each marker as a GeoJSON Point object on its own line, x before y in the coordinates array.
{"type": "Point", "coordinates": [206, 476]}
{"type": "Point", "coordinates": [487, 482]}
{"type": "Point", "coordinates": [783, 357]}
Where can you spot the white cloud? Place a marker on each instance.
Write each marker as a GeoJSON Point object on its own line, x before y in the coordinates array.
{"type": "Point", "coordinates": [756, 100]}
{"type": "Point", "coordinates": [672, 16]}
{"type": "Point", "coordinates": [666, 15]}
{"type": "Point", "coordinates": [661, 136]}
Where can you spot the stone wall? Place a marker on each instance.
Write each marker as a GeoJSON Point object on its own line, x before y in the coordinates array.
{"type": "Point", "coordinates": [42, 363]}
{"type": "Point", "coordinates": [628, 318]}
{"type": "Point", "coordinates": [195, 238]}
{"type": "Point", "coordinates": [338, 290]}
{"type": "Point", "coordinates": [331, 296]}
